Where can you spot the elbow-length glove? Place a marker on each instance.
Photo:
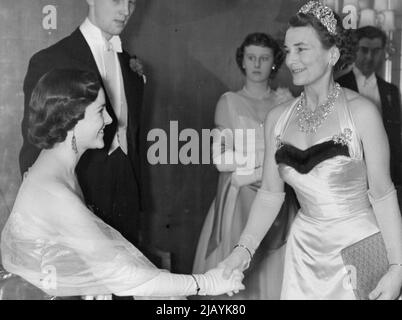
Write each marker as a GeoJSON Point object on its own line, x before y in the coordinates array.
{"type": "Point", "coordinates": [263, 212]}
{"type": "Point", "coordinates": [168, 284]}
{"type": "Point", "coordinates": [389, 219]}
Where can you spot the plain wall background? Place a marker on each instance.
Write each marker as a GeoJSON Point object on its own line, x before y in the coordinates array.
{"type": "Point", "coordinates": [21, 35]}
{"type": "Point", "coordinates": [188, 49]}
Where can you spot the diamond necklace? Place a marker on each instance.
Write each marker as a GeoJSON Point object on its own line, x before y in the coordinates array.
{"type": "Point", "coordinates": [308, 120]}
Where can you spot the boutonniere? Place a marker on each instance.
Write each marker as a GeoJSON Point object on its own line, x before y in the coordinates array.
{"type": "Point", "coordinates": [137, 66]}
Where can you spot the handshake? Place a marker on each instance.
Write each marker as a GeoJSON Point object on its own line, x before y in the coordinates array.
{"type": "Point", "coordinates": [166, 284]}
{"type": "Point", "coordinates": [214, 282]}
{"type": "Point", "coordinates": [227, 277]}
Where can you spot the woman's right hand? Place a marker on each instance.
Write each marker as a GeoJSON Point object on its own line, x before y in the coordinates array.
{"type": "Point", "coordinates": [213, 283]}
{"type": "Point", "coordinates": [238, 260]}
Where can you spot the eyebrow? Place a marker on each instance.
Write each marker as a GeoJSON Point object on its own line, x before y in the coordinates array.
{"type": "Point", "coordinates": [301, 44]}
{"type": "Point", "coordinates": [254, 54]}
{"type": "Point", "coordinates": [366, 47]}
{"type": "Point", "coordinates": [298, 44]}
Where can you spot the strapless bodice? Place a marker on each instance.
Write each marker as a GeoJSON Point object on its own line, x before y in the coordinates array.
{"type": "Point", "coordinates": [327, 181]}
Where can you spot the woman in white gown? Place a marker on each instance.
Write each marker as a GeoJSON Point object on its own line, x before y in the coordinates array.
{"type": "Point", "coordinates": [331, 147]}
{"type": "Point", "coordinates": [259, 57]}
{"type": "Point", "coordinates": [51, 238]}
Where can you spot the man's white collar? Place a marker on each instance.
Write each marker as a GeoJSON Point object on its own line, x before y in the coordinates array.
{"type": "Point", "coordinates": [94, 34]}
{"type": "Point", "coordinates": [359, 74]}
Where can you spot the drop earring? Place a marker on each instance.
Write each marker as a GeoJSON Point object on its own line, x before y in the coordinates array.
{"type": "Point", "coordinates": [74, 143]}
{"type": "Point", "coordinates": [333, 60]}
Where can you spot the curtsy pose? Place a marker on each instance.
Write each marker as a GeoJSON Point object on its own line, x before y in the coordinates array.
{"type": "Point", "coordinates": [331, 147]}
{"type": "Point", "coordinates": [259, 58]}
{"type": "Point", "coordinates": [51, 238]}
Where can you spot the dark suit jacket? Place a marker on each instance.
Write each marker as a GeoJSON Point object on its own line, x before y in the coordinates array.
{"type": "Point", "coordinates": [391, 114]}
{"type": "Point", "coordinates": [74, 52]}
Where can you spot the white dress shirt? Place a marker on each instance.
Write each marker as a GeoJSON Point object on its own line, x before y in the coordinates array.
{"type": "Point", "coordinates": [107, 61]}
{"type": "Point", "coordinates": [368, 87]}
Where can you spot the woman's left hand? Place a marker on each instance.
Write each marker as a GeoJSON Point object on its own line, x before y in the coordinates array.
{"type": "Point", "coordinates": [389, 287]}
{"type": "Point", "coordinates": [238, 259]}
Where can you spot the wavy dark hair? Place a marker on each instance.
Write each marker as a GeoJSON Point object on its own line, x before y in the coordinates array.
{"type": "Point", "coordinates": [371, 32]}
{"type": "Point", "coordinates": [262, 40]}
{"type": "Point", "coordinates": [58, 102]}
{"type": "Point", "coordinates": [344, 40]}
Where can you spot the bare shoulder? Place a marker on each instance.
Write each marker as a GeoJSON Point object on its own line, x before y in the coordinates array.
{"type": "Point", "coordinates": [350, 94]}
{"type": "Point", "coordinates": [363, 110]}
{"type": "Point", "coordinates": [223, 102]}
{"type": "Point", "coordinates": [222, 112]}
{"type": "Point", "coordinates": [53, 188]}
{"type": "Point", "coordinates": [274, 114]}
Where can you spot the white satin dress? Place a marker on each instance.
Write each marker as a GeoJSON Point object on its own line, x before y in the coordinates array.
{"type": "Point", "coordinates": [330, 181]}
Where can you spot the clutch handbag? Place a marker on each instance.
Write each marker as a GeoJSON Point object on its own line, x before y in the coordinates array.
{"type": "Point", "coordinates": [366, 262]}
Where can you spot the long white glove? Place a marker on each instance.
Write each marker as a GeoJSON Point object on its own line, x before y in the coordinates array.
{"type": "Point", "coordinates": [168, 284]}
{"type": "Point", "coordinates": [263, 212]}
{"type": "Point", "coordinates": [387, 212]}
{"type": "Point", "coordinates": [240, 179]}
{"type": "Point", "coordinates": [389, 219]}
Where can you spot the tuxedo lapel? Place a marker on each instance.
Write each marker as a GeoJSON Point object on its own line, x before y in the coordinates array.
{"type": "Point", "coordinates": [127, 80]}
{"type": "Point", "coordinates": [132, 88]}
{"type": "Point", "coordinates": [80, 51]}
{"type": "Point", "coordinates": [385, 95]}
{"type": "Point", "coordinates": [351, 80]}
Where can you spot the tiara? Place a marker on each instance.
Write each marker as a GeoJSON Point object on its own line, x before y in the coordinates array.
{"type": "Point", "coordinates": [322, 13]}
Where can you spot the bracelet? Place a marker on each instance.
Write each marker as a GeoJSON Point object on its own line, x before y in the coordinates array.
{"type": "Point", "coordinates": [197, 285]}
{"type": "Point", "coordinates": [395, 264]}
{"type": "Point", "coordinates": [244, 247]}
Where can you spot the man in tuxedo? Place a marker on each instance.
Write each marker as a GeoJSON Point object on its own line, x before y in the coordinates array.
{"type": "Point", "coordinates": [386, 96]}
{"type": "Point", "coordinates": [109, 177]}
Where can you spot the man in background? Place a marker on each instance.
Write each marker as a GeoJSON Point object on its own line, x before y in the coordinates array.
{"type": "Point", "coordinates": [386, 96]}
{"type": "Point", "coordinates": [109, 177]}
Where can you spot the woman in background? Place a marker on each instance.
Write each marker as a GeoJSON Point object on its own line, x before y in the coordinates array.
{"type": "Point", "coordinates": [259, 58]}
{"type": "Point", "coordinates": [51, 238]}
